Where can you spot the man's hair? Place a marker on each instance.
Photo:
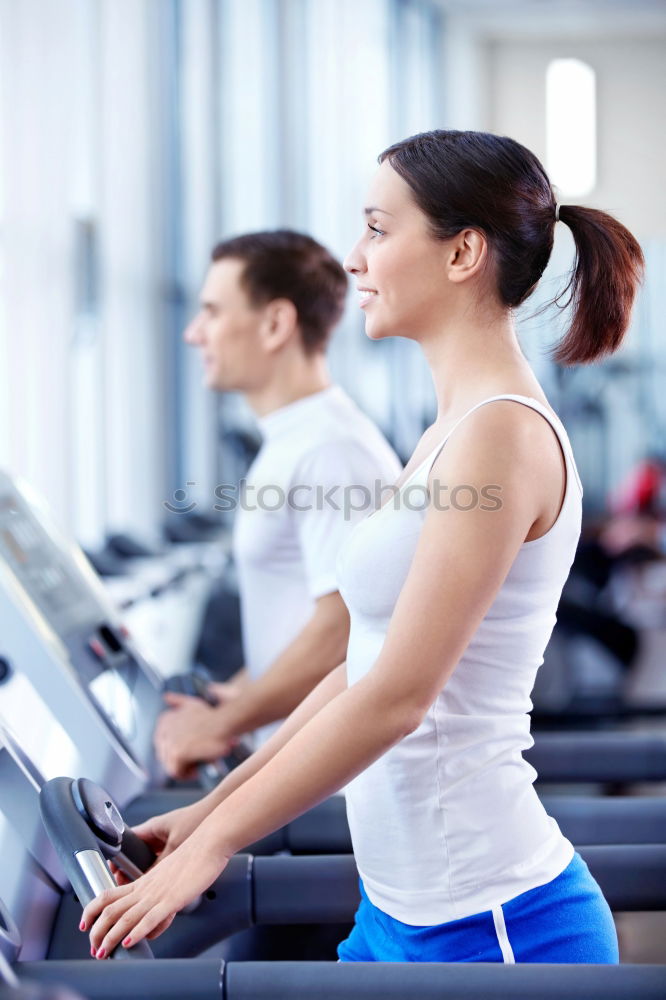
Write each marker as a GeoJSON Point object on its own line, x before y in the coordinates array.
{"type": "Point", "coordinates": [282, 264]}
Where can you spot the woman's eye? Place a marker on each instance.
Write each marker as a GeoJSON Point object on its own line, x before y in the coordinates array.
{"type": "Point", "coordinates": [379, 232]}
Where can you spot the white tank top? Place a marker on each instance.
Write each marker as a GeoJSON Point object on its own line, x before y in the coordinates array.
{"type": "Point", "coordinates": [447, 823]}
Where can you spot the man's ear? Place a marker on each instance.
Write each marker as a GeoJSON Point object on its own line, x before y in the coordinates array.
{"type": "Point", "coordinates": [279, 323]}
{"type": "Point", "coordinates": [467, 256]}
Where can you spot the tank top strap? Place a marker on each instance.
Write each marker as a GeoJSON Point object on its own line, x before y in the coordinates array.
{"type": "Point", "coordinates": [534, 404]}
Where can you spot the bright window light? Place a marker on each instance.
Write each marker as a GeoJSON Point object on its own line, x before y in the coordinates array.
{"type": "Point", "coordinates": [571, 126]}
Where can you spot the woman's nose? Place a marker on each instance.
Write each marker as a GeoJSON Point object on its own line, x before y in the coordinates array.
{"type": "Point", "coordinates": [353, 262]}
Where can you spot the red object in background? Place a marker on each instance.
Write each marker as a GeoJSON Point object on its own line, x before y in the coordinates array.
{"type": "Point", "coordinates": [641, 491]}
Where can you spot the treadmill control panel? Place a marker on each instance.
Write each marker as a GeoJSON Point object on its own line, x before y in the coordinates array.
{"type": "Point", "coordinates": [41, 568]}
{"type": "Point", "coordinates": [67, 596]}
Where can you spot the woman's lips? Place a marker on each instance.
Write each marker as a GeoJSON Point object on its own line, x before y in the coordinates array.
{"type": "Point", "coordinates": [366, 295]}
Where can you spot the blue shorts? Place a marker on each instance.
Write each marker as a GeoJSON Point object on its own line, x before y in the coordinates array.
{"type": "Point", "coordinates": [565, 920]}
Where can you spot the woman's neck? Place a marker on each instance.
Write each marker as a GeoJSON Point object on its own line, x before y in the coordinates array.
{"type": "Point", "coordinates": [474, 355]}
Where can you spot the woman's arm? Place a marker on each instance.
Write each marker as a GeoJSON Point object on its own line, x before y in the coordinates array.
{"type": "Point", "coordinates": [332, 685]}
{"type": "Point", "coordinates": [198, 732]}
{"type": "Point", "coordinates": [166, 832]}
{"type": "Point", "coordinates": [461, 560]}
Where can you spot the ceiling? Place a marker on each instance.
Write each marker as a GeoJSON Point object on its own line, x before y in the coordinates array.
{"type": "Point", "coordinates": [600, 18]}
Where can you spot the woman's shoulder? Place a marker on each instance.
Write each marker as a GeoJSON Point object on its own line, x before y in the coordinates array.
{"type": "Point", "coordinates": [504, 439]}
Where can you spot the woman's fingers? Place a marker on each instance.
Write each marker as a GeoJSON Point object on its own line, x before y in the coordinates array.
{"type": "Point", "coordinates": [112, 928]}
{"type": "Point", "coordinates": [95, 906]}
{"type": "Point", "coordinates": [125, 916]}
{"type": "Point", "coordinates": [131, 927]}
{"type": "Point", "coordinates": [113, 914]}
{"type": "Point", "coordinates": [161, 928]}
{"type": "Point", "coordinates": [152, 832]}
{"type": "Point", "coordinates": [146, 926]}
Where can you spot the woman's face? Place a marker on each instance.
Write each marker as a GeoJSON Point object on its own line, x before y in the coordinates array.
{"type": "Point", "coordinates": [399, 267]}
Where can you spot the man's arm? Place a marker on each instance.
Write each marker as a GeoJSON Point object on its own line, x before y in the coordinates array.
{"type": "Point", "coordinates": [232, 687]}
{"type": "Point", "coordinates": [318, 648]}
{"type": "Point", "coordinates": [196, 732]}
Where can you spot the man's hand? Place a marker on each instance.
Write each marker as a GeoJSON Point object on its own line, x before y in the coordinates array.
{"type": "Point", "coordinates": [225, 690]}
{"type": "Point", "coordinates": [191, 733]}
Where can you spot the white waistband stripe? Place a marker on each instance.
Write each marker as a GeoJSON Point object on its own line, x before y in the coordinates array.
{"type": "Point", "coordinates": [502, 936]}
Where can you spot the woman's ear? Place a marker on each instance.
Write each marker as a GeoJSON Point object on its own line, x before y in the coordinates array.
{"type": "Point", "coordinates": [467, 256]}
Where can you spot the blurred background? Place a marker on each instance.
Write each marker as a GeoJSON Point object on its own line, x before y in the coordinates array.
{"type": "Point", "coordinates": [136, 133]}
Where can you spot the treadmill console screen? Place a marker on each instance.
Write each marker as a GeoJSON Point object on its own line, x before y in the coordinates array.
{"type": "Point", "coordinates": [42, 568]}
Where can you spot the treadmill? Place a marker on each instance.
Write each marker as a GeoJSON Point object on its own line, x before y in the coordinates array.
{"type": "Point", "coordinates": [62, 636]}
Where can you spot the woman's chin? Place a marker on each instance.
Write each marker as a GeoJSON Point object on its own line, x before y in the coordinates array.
{"type": "Point", "coordinates": [374, 331]}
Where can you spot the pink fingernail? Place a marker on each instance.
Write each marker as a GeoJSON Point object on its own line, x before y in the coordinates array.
{"type": "Point", "coordinates": [101, 953]}
{"type": "Point", "coordinates": [92, 951]}
{"type": "Point", "coordinates": [127, 942]}
{"type": "Point", "coordinates": [82, 925]}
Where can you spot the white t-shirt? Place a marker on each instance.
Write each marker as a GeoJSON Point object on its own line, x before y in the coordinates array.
{"type": "Point", "coordinates": [318, 453]}
{"type": "Point", "coordinates": [447, 824]}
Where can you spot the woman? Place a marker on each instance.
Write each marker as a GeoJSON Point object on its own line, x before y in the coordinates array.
{"type": "Point", "coordinates": [452, 602]}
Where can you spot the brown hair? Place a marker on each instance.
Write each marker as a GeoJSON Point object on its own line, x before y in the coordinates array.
{"type": "Point", "coordinates": [492, 183]}
{"type": "Point", "coordinates": [282, 264]}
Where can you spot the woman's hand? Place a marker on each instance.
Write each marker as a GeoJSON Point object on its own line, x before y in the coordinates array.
{"type": "Point", "coordinates": [147, 907]}
{"type": "Point", "coordinates": [166, 832]}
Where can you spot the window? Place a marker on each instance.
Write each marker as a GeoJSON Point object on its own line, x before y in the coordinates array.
{"type": "Point", "coordinates": [571, 140]}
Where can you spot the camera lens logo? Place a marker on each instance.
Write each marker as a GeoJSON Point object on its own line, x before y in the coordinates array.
{"type": "Point", "coordinates": [181, 506]}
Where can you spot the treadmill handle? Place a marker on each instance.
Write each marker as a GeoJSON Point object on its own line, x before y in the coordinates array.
{"type": "Point", "coordinates": [135, 856]}
{"type": "Point", "coordinates": [79, 852]}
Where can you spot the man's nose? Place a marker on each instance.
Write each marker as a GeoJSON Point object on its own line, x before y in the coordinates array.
{"type": "Point", "coordinates": [192, 332]}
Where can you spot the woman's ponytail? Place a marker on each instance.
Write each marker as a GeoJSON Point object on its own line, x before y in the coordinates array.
{"type": "Point", "coordinates": [603, 283]}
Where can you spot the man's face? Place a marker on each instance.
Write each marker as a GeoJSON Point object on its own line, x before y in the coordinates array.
{"type": "Point", "coordinates": [227, 331]}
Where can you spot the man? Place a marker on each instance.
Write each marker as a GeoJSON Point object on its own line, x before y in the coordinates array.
{"type": "Point", "coordinates": [268, 306]}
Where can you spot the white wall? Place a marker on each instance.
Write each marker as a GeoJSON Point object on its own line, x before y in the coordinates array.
{"type": "Point", "coordinates": [81, 384]}
{"type": "Point", "coordinates": [38, 244]}
{"type": "Point", "coordinates": [631, 107]}
{"type": "Point", "coordinates": [631, 151]}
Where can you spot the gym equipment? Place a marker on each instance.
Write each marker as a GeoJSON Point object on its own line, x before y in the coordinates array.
{"type": "Point", "coordinates": [214, 980]}
{"type": "Point", "coordinates": [62, 632]}
{"type": "Point", "coordinates": [598, 757]}
{"type": "Point", "coordinates": [282, 890]}
{"type": "Point", "coordinates": [324, 829]}
{"type": "Point", "coordinates": [36, 991]}
{"type": "Point", "coordinates": [629, 877]}
{"type": "Point", "coordinates": [325, 889]}
{"type": "Point", "coordinates": [86, 828]}
{"type": "Point", "coordinates": [595, 714]}
{"type": "Point", "coordinates": [10, 987]}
